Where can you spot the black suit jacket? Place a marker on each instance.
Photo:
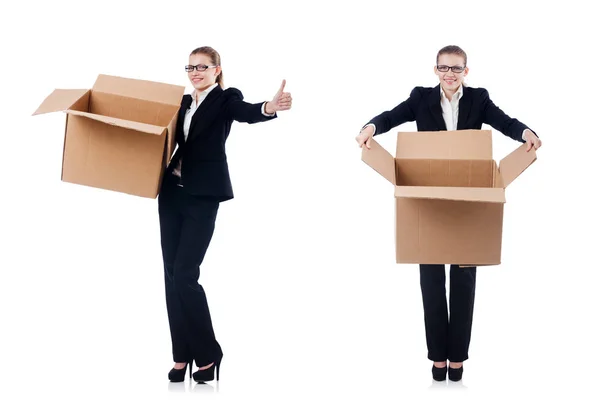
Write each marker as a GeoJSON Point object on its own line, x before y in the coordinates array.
{"type": "Point", "coordinates": [474, 109]}
{"type": "Point", "coordinates": [204, 168]}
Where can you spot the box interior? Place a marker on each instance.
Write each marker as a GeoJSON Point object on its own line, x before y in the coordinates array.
{"type": "Point", "coordinates": [128, 108]}
{"type": "Point", "coordinates": [447, 173]}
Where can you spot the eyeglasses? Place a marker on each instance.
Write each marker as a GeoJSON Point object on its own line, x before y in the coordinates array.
{"type": "Point", "coordinates": [199, 68]}
{"type": "Point", "coordinates": [455, 69]}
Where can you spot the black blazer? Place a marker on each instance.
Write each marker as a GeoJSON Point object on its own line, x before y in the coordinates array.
{"type": "Point", "coordinates": [204, 168]}
{"type": "Point", "coordinates": [474, 109]}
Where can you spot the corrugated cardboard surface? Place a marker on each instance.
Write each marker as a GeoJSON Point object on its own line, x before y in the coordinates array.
{"type": "Point", "coordinates": [450, 173]}
{"type": "Point", "coordinates": [121, 123]}
{"type": "Point", "coordinates": [515, 163]}
{"type": "Point", "coordinates": [118, 136]}
{"type": "Point", "coordinates": [61, 99]}
{"type": "Point", "coordinates": [170, 144]}
{"type": "Point", "coordinates": [468, 144]}
{"type": "Point", "coordinates": [140, 89]}
{"type": "Point", "coordinates": [473, 194]}
{"type": "Point", "coordinates": [380, 160]}
{"type": "Point", "coordinates": [100, 155]}
{"type": "Point", "coordinates": [448, 232]}
{"type": "Point", "coordinates": [450, 194]}
{"type": "Point", "coordinates": [132, 109]}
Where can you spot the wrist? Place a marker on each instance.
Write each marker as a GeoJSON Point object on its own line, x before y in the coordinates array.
{"type": "Point", "coordinates": [370, 129]}
{"type": "Point", "coordinates": [269, 108]}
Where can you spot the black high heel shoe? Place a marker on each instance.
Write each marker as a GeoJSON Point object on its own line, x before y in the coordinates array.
{"type": "Point", "coordinates": [455, 374]}
{"type": "Point", "coordinates": [208, 374]}
{"type": "Point", "coordinates": [178, 375]}
{"type": "Point", "coordinates": [439, 374]}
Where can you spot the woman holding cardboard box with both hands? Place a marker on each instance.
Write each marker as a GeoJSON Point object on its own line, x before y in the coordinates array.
{"type": "Point", "coordinates": [195, 182]}
{"type": "Point", "coordinates": [451, 105]}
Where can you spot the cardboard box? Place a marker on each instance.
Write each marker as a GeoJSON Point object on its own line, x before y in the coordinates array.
{"type": "Point", "coordinates": [449, 194]}
{"type": "Point", "coordinates": [119, 135]}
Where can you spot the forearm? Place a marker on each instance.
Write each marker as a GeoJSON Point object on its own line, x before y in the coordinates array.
{"type": "Point", "coordinates": [251, 113]}
{"type": "Point", "coordinates": [500, 121]}
{"type": "Point", "coordinates": [404, 112]}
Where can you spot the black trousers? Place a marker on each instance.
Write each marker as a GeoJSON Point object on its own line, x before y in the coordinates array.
{"type": "Point", "coordinates": [186, 228]}
{"type": "Point", "coordinates": [448, 336]}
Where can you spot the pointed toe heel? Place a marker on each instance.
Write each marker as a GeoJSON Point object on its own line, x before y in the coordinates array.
{"type": "Point", "coordinates": [178, 375]}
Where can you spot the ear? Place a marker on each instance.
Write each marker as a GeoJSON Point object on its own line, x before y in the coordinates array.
{"type": "Point", "coordinates": [217, 70]}
{"type": "Point", "coordinates": [466, 71]}
{"type": "Point", "coordinates": [435, 69]}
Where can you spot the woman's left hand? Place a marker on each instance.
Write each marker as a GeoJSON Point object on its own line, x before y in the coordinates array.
{"type": "Point", "coordinates": [532, 140]}
{"type": "Point", "coordinates": [282, 101]}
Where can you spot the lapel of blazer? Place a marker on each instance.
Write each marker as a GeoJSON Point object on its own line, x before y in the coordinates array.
{"type": "Point", "coordinates": [185, 105]}
{"type": "Point", "coordinates": [436, 108]}
{"type": "Point", "coordinates": [199, 120]}
{"type": "Point", "coordinates": [464, 108]}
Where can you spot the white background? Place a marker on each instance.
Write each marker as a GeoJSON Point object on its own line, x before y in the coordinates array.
{"type": "Point", "coordinates": [311, 310]}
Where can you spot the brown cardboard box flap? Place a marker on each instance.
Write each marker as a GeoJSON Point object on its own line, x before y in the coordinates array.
{"type": "Point", "coordinates": [478, 194]}
{"type": "Point", "coordinates": [515, 163]}
{"type": "Point", "coordinates": [60, 100]}
{"type": "Point", "coordinates": [140, 89]}
{"type": "Point", "coordinates": [138, 126]}
{"type": "Point", "coordinates": [467, 144]}
{"type": "Point", "coordinates": [380, 160]}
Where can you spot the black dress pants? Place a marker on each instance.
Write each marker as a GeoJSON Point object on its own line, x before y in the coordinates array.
{"type": "Point", "coordinates": [448, 336]}
{"type": "Point", "coordinates": [186, 227]}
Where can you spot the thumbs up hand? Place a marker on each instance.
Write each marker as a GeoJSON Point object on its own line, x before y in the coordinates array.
{"type": "Point", "coordinates": [282, 101]}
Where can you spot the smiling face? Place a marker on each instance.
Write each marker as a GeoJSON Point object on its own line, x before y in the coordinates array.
{"type": "Point", "coordinates": [451, 71]}
{"type": "Point", "coordinates": [202, 80]}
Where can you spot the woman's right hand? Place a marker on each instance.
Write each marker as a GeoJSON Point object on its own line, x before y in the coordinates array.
{"type": "Point", "coordinates": [364, 137]}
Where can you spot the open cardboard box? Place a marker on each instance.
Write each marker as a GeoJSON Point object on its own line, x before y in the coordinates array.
{"type": "Point", "coordinates": [449, 194]}
{"type": "Point", "coordinates": [119, 135]}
